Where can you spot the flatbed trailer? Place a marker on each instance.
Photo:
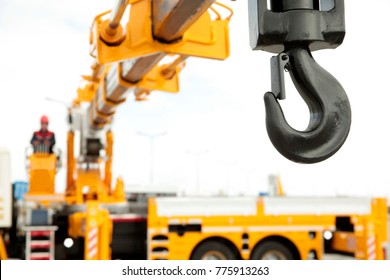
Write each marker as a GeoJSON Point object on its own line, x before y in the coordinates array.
{"type": "Point", "coordinates": [263, 228]}
{"type": "Point", "coordinates": [182, 228]}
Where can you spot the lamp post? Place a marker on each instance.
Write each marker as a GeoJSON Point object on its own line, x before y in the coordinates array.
{"type": "Point", "coordinates": [197, 155]}
{"type": "Point", "coordinates": [248, 172]}
{"type": "Point", "coordinates": [228, 166]}
{"type": "Point", "coordinates": [151, 137]}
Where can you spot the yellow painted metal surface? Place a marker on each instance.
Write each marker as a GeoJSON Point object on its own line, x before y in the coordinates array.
{"type": "Point", "coordinates": [370, 234]}
{"type": "Point", "coordinates": [205, 38]}
{"type": "Point", "coordinates": [345, 242]}
{"type": "Point", "coordinates": [293, 228]}
{"type": "Point", "coordinates": [108, 164]}
{"type": "Point", "coordinates": [304, 231]}
{"type": "Point", "coordinates": [86, 92]}
{"type": "Point", "coordinates": [380, 211]}
{"type": "Point", "coordinates": [42, 172]}
{"type": "Point", "coordinates": [95, 226]}
{"type": "Point", "coordinates": [279, 187]}
{"type": "Point", "coordinates": [119, 195]}
{"type": "Point", "coordinates": [90, 185]}
{"type": "Point", "coordinates": [3, 251]}
{"type": "Point", "coordinates": [71, 164]}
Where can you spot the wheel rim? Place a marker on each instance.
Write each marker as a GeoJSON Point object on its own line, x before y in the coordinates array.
{"type": "Point", "coordinates": [273, 255]}
{"type": "Point", "coordinates": [213, 255]}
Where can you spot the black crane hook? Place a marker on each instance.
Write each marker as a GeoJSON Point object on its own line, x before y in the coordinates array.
{"type": "Point", "coordinates": [298, 27]}
{"type": "Point", "coordinates": [330, 112]}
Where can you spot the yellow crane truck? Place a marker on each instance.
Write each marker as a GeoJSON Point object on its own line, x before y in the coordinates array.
{"type": "Point", "coordinates": [46, 226]}
{"type": "Point", "coordinates": [215, 228]}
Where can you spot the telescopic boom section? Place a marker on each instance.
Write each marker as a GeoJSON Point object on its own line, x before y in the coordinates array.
{"type": "Point", "coordinates": [170, 19]}
{"type": "Point", "coordinates": [117, 14]}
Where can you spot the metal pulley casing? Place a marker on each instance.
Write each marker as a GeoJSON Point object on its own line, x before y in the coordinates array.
{"type": "Point", "coordinates": [318, 24]}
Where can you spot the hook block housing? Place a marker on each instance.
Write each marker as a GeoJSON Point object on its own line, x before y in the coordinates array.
{"type": "Point", "coordinates": [318, 24]}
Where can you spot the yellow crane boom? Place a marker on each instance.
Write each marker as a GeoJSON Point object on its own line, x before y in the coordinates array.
{"type": "Point", "coordinates": [129, 59]}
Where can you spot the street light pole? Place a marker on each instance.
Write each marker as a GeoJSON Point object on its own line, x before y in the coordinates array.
{"type": "Point", "coordinates": [151, 137]}
{"type": "Point", "coordinates": [197, 155]}
{"type": "Point", "coordinates": [248, 172]}
{"type": "Point", "coordinates": [228, 165]}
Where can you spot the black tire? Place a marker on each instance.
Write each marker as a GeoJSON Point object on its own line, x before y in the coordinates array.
{"type": "Point", "coordinates": [272, 250]}
{"type": "Point", "coordinates": [213, 250]}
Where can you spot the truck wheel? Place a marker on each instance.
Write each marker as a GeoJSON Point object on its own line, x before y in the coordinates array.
{"type": "Point", "coordinates": [213, 250]}
{"type": "Point", "coordinates": [272, 250]}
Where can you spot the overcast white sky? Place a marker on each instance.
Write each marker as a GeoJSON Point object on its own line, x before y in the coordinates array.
{"type": "Point", "coordinates": [44, 50]}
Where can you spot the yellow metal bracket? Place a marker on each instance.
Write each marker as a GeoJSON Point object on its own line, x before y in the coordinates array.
{"type": "Point", "coordinates": [95, 226]}
{"type": "Point", "coordinates": [206, 38]}
{"type": "Point", "coordinates": [86, 92]}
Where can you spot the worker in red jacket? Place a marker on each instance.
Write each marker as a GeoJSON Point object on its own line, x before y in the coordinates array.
{"type": "Point", "coordinates": [43, 140]}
